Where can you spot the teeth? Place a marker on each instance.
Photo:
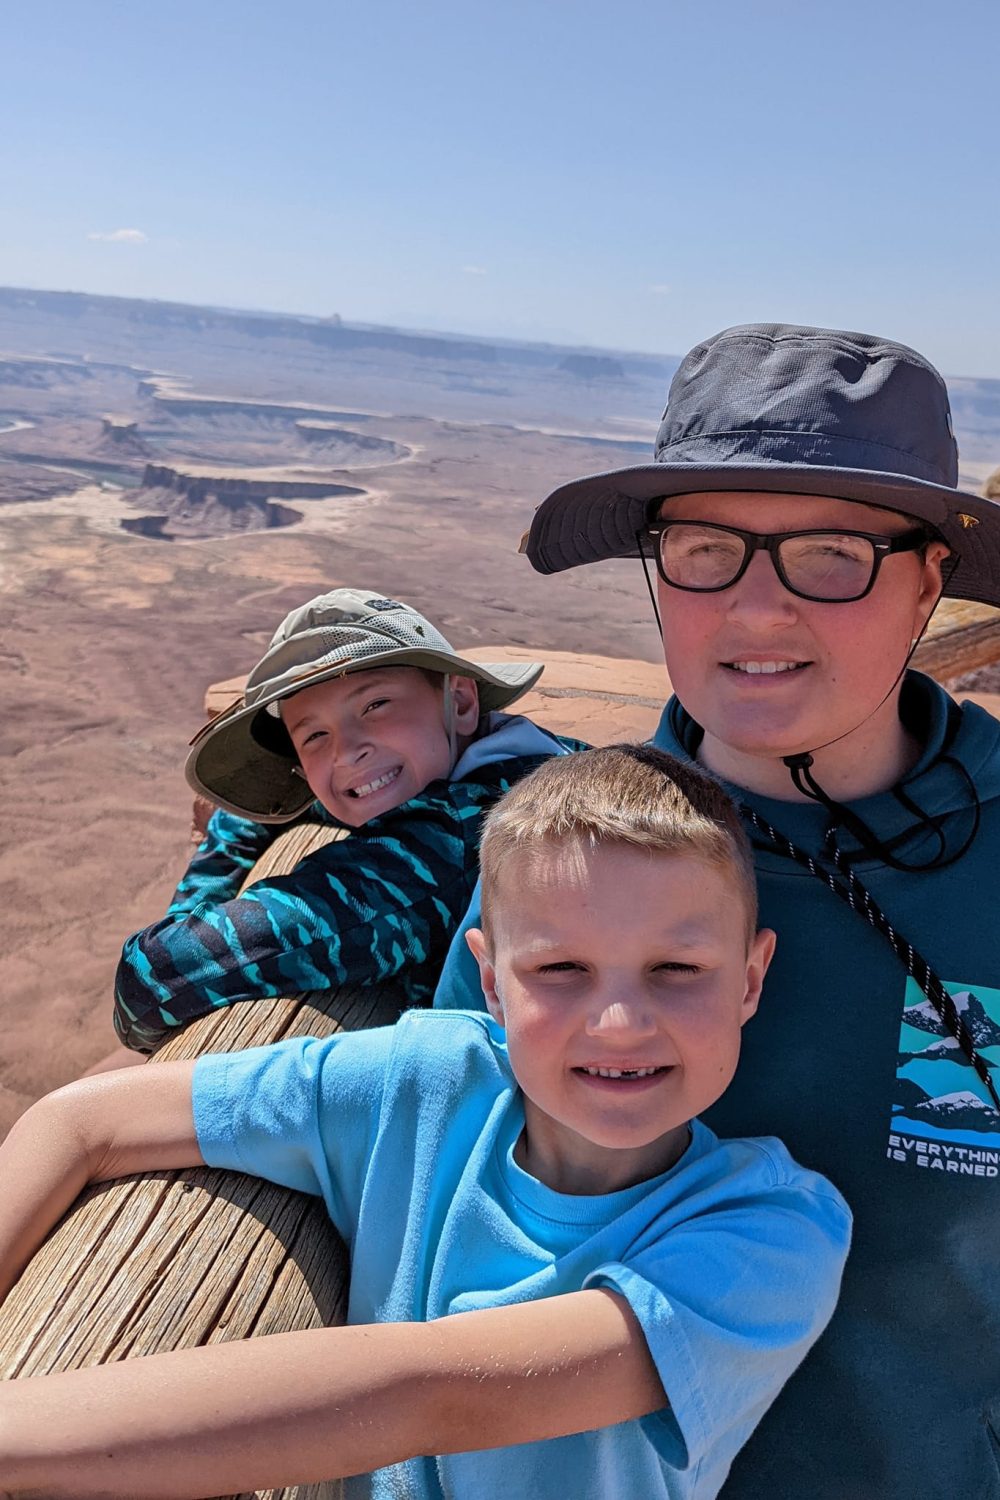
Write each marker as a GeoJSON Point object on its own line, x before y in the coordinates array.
{"type": "Point", "coordinates": [768, 667]}
{"type": "Point", "coordinates": [374, 786]}
{"type": "Point", "coordinates": [621, 1072]}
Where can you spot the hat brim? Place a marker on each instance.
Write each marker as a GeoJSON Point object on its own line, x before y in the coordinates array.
{"type": "Point", "coordinates": [598, 517]}
{"type": "Point", "coordinates": [231, 767]}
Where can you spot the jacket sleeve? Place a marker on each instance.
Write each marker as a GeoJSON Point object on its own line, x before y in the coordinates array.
{"type": "Point", "coordinates": [376, 906]}
{"type": "Point", "coordinates": [230, 849]}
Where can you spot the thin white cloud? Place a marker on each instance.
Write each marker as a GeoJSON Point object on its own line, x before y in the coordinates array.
{"type": "Point", "coordinates": [660, 289]}
{"type": "Point", "coordinates": [474, 270]}
{"type": "Point", "coordinates": [119, 236]}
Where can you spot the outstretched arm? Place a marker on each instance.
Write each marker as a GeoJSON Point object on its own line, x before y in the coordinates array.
{"type": "Point", "coordinates": [138, 1120]}
{"type": "Point", "coordinates": [363, 910]}
{"type": "Point", "coordinates": [215, 874]}
{"type": "Point", "coordinates": [301, 1407]}
{"type": "Point", "coordinates": [223, 860]}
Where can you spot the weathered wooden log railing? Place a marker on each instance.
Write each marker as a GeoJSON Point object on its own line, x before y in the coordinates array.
{"type": "Point", "coordinates": [961, 638]}
{"type": "Point", "coordinates": [168, 1260]}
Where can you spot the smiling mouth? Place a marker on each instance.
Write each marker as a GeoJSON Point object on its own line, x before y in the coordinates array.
{"type": "Point", "coordinates": [368, 787]}
{"type": "Point", "coordinates": [764, 668]}
{"type": "Point", "coordinates": [626, 1073]}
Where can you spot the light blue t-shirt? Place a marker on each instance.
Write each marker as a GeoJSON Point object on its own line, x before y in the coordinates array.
{"type": "Point", "coordinates": [458, 987]}
{"type": "Point", "coordinates": [731, 1260]}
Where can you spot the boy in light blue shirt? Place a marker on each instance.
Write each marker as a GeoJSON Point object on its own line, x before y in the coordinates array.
{"type": "Point", "coordinates": [562, 1283]}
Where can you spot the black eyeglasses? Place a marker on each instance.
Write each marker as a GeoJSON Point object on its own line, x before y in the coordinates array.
{"type": "Point", "coordinates": [829, 567]}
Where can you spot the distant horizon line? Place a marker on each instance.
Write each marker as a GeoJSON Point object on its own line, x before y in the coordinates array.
{"type": "Point", "coordinates": [336, 319]}
{"type": "Point", "coordinates": [333, 319]}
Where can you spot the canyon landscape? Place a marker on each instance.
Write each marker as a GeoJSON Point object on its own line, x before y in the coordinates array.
{"type": "Point", "coordinates": [172, 480]}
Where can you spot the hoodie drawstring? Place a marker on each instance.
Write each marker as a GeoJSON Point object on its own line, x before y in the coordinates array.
{"type": "Point", "coordinates": [800, 768]}
{"type": "Point", "coordinates": [845, 884]}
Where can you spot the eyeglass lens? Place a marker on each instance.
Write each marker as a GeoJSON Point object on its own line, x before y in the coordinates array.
{"type": "Point", "coordinates": [824, 565]}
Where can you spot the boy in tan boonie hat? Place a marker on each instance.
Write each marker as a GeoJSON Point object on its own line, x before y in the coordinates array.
{"type": "Point", "coordinates": [361, 714]}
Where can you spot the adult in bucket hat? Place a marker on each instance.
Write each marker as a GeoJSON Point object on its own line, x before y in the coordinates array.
{"type": "Point", "coordinates": [359, 714]}
{"type": "Point", "coordinates": [803, 515]}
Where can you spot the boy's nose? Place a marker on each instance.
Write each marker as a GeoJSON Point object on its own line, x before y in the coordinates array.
{"type": "Point", "coordinates": [350, 746]}
{"type": "Point", "coordinates": [621, 1016]}
{"type": "Point", "coordinates": [760, 595]}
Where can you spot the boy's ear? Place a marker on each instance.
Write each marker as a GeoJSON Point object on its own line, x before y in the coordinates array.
{"type": "Point", "coordinates": [476, 940]}
{"type": "Point", "coordinates": [465, 703]}
{"type": "Point", "coordinates": [759, 957]}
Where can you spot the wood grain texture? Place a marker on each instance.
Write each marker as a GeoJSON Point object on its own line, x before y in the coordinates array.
{"type": "Point", "coordinates": [171, 1260]}
{"type": "Point", "coordinates": [960, 638]}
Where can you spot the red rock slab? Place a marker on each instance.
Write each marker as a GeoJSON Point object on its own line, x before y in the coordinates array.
{"type": "Point", "coordinates": [989, 701]}
{"type": "Point", "coordinates": [595, 698]}
{"type": "Point", "coordinates": [222, 695]}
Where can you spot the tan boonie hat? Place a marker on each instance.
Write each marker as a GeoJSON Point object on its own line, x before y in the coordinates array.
{"type": "Point", "coordinates": [242, 760]}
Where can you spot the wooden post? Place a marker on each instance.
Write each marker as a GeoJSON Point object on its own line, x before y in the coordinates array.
{"type": "Point", "coordinates": [169, 1260]}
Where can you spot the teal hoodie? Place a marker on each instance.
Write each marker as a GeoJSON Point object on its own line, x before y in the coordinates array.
{"type": "Point", "coordinates": [848, 1064]}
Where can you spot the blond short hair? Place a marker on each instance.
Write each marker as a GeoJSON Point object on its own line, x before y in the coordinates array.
{"type": "Point", "coordinates": [623, 794]}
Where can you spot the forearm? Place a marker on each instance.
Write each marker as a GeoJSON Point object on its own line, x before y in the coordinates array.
{"type": "Point", "coordinates": [162, 981]}
{"type": "Point", "coordinates": [97, 1128]}
{"type": "Point", "coordinates": [301, 1407]}
{"type": "Point", "coordinates": [146, 1010]}
{"type": "Point", "coordinates": [227, 1419]}
{"type": "Point", "coordinates": [44, 1165]}
{"type": "Point", "coordinates": [186, 967]}
{"type": "Point", "coordinates": [220, 866]}
{"type": "Point", "coordinates": [285, 936]}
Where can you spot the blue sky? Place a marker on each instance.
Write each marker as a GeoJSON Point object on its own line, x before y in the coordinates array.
{"type": "Point", "coordinates": [626, 174]}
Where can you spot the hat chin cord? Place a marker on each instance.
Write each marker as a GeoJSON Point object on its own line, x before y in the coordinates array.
{"type": "Point", "coordinates": [449, 720]}
{"type": "Point", "coordinates": [800, 769]}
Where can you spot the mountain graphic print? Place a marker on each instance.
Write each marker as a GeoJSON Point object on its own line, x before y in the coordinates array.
{"type": "Point", "coordinates": [942, 1116]}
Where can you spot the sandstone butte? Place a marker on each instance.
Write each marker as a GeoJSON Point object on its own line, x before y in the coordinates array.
{"type": "Point", "coordinates": [176, 1259]}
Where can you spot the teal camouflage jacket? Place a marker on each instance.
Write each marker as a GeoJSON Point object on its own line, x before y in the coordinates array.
{"type": "Point", "coordinates": [381, 904]}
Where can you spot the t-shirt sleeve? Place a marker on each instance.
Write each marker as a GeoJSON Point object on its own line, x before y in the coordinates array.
{"type": "Point", "coordinates": [730, 1302]}
{"type": "Point", "coordinates": [302, 1113]}
{"type": "Point", "coordinates": [459, 987]}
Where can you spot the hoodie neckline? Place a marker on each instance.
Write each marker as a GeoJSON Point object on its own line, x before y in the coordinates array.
{"type": "Point", "coordinates": [942, 727]}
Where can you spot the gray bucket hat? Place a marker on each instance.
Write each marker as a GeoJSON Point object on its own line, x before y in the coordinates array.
{"type": "Point", "coordinates": [789, 410]}
{"type": "Point", "coordinates": [242, 760]}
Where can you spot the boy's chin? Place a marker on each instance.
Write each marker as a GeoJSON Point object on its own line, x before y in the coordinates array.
{"type": "Point", "coordinates": [357, 817]}
{"type": "Point", "coordinates": [345, 815]}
